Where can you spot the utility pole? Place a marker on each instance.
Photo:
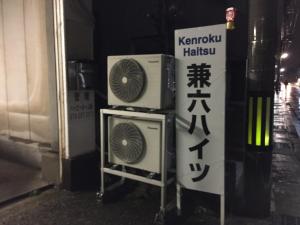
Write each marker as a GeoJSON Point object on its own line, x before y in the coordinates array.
{"type": "Point", "coordinates": [260, 100]}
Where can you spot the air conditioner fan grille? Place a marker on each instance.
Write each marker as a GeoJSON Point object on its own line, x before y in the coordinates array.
{"type": "Point", "coordinates": [127, 80]}
{"type": "Point", "coordinates": [127, 142]}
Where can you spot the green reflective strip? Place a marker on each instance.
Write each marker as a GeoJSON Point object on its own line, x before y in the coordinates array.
{"type": "Point", "coordinates": [258, 121]}
{"type": "Point", "coordinates": [250, 120]}
{"type": "Point", "coordinates": [267, 132]}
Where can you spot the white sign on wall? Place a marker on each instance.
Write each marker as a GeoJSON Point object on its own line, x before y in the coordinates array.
{"type": "Point", "coordinates": [200, 107]}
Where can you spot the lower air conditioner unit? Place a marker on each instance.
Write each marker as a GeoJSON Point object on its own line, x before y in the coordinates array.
{"type": "Point", "coordinates": [137, 142]}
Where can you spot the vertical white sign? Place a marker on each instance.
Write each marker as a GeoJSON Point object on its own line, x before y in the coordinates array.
{"type": "Point", "coordinates": [200, 107]}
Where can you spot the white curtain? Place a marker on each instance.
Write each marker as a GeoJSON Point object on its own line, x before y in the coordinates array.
{"type": "Point", "coordinates": [24, 70]}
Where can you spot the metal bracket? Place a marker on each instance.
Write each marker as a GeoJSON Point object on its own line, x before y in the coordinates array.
{"type": "Point", "coordinates": [161, 182]}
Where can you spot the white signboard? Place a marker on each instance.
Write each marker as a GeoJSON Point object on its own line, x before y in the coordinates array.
{"type": "Point", "coordinates": [200, 107]}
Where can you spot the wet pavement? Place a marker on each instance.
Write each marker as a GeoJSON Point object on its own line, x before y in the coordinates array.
{"type": "Point", "coordinates": [58, 207]}
{"type": "Point", "coordinates": [286, 164]}
{"type": "Point", "coordinates": [139, 207]}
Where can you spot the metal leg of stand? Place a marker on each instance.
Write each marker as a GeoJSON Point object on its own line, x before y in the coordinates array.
{"type": "Point", "coordinates": [222, 209]}
{"type": "Point", "coordinates": [160, 216]}
{"type": "Point", "coordinates": [178, 199]}
{"type": "Point", "coordinates": [118, 183]}
{"type": "Point", "coordinates": [164, 170]}
{"type": "Point", "coordinates": [163, 200]}
{"type": "Point", "coordinates": [102, 184]}
{"type": "Point", "coordinates": [102, 133]}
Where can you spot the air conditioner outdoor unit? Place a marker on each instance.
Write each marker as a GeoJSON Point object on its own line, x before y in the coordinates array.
{"type": "Point", "coordinates": [137, 143]}
{"type": "Point", "coordinates": [146, 81]}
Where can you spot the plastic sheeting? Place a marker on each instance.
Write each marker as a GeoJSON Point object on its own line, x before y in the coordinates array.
{"type": "Point", "coordinates": [3, 94]}
{"type": "Point", "coordinates": [24, 70]}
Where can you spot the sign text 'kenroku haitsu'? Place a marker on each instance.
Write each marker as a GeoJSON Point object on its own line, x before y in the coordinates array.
{"type": "Point", "coordinates": [190, 45]}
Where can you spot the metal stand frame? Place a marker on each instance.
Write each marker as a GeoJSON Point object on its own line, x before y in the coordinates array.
{"type": "Point", "coordinates": [163, 182]}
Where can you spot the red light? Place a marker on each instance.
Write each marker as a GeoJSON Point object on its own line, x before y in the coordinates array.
{"type": "Point", "coordinates": [230, 14]}
{"type": "Point", "coordinates": [230, 17]}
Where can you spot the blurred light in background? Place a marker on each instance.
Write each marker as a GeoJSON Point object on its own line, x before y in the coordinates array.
{"type": "Point", "coordinates": [284, 55]}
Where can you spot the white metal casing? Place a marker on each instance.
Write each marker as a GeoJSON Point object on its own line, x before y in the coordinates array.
{"type": "Point", "coordinates": [81, 106]}
{"type": "Point", "coordinates": [152, 132]}
{"type": "Point", "coordinates": [160, 81]}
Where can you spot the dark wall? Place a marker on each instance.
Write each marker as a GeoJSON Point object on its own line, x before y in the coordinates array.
{"type": "Point", "coordinates": [144, 26]}
{"type": "Point", "coordinates": [237, 50]}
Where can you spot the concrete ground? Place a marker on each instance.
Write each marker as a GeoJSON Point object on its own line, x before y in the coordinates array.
{"type": "Point", "coordinates": [62, 208]}
{"type": "Point", "coordinates": [17, 180]}
{"type": "Point", "coordinates": [65, 208]}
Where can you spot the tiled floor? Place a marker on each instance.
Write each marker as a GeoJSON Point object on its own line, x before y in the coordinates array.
{"type": "Point", "coordinates": [17, 180]}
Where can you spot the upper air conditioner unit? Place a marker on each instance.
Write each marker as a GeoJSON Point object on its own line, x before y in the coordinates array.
{"type": "Point", "coordinates": [146, 81]}
{"type": "Point", "coordinates": [137, 142]}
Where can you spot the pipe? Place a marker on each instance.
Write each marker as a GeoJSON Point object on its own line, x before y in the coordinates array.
{"type": "Point", "coordinates": [82, 79]}
{"type": "Point", "coordinates": [60, 56]}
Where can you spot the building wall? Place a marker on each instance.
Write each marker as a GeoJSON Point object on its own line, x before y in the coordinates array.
{"type": "Point", "coordinates": [79, 26]}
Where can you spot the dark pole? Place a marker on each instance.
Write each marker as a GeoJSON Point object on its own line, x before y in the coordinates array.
{"type": "Point", "coordinates": [260, 96]}
{"type": "Point", "coordinates": [279, 50]}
